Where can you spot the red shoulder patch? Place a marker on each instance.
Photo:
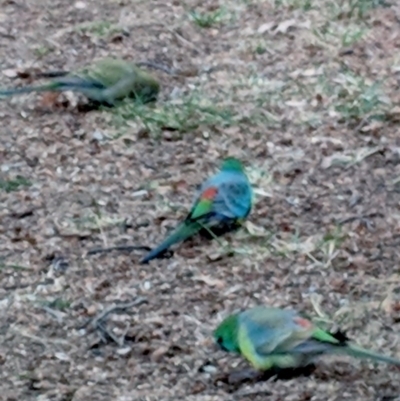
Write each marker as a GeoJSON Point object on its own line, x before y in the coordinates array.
{"type": "Point", "coordinates": [303, 322]}
{"type": "Point", "coordinates": [209, 193]}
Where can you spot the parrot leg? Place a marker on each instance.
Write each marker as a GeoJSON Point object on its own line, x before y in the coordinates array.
{"type": "Point", "coordinates": [218, 231]}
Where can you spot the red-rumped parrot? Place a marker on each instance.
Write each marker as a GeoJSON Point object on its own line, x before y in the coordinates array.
{"type": "Point", "coordinates": [105, 81]}
{"type": "Point", "coordinates": [278, 338]}
{"type": "Point", "coordinates": [225, 199]}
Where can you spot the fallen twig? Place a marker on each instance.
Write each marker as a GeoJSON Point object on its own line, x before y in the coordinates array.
{"type": "Point", "coordinates": [182, 39]}
{"type": "Point", "coordinates": [54, 313]}
{"type": "Point", "coordinates": [161, 67]}
{"type": "Point", "coordinates": [107, 335]}
{"type": "Point", "coordinates": [113, 308]}
{"type": "Point", "coordinates": [99, 324]}
{"type": "Point", "coordinates": [364, 218]}
{"type": "Point", "coordinates": [44, 341]}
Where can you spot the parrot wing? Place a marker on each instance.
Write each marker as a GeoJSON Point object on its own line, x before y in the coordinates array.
{"type": "Point", "coordinates": [107, 71]}
{"type": "Point", "coordinates": [223, 197]}
{"type": "Point", "coordinates": [268, 329]}
{"type": "Point", "coordinates": [75, 82]}
{"type": "Point", "coordinates": [121, 79]}
{"type": "Point", "coordinates": [234, 200]}
{"type": "Point", "coordinates": [260, 335]}
{"type": "Point", "coordinates": [268, 336]}
{"type": "Point", "coordinates": [203, 205]}
{"type": "Point", "coordinates": [105, 81]}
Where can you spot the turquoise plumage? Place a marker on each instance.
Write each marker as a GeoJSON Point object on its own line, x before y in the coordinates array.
{"type": "Point", "coordinates": [278, 338]}
{"type": "Point", "coordinates": [224, 200]}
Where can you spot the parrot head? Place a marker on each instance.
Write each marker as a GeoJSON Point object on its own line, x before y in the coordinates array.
{"type": "Point", "coordinates": [149, 88]}
{"type": "Point", "coordinates": [232, 164]}
{"type": "Point", "coordinates": [149, 93]}
{"type": "Point", "coordinates": [225, 334]}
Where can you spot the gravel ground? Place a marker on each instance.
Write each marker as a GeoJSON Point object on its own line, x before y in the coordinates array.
{"type": "Point", "coordinates": [304, 92]}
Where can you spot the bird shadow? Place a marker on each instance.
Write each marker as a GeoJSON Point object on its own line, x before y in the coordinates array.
{"type": "Point", "coordinates": [233, 381]}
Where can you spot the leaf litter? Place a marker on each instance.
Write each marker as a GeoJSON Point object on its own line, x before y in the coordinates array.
{"type": "Point", "coordinates": [304, 92]}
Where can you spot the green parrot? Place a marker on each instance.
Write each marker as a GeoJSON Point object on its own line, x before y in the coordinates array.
{"type": "Point", "coordinates": [278, 338]}
{"type": "Point", "coordinates": [224, 201]}
{"type": "Point", "coordinates": [105, 81]}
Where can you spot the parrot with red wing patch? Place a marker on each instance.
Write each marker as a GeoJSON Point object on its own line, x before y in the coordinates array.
{"type": "Point", "coordinates": [280, 338]}
{"type": "Point", "coordinates": [224, 200]}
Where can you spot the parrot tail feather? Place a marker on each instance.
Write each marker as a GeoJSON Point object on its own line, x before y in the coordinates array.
{"type": "Point", "coordinates": [29, 89]}
{"type": "Point", "coordinates": [78, 83]}
{"type": "Point", "coordinates": [358, 352]}
{"type": "Point", "coordinates": [156, 252]}
{"type": "Point", "coordinates": [183, 232]}
{"type": "Point", "coordinates": [63, 84]}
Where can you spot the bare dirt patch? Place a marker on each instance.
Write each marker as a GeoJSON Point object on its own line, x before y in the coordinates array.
{"type": "Point", "coordinates": [305, 92]}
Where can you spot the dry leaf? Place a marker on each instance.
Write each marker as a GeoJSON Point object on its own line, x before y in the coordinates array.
{"type": "Point", "coordinates": [284, 26]}
{"type": "Point", "coordinates": [158, 354]}
{"type": "Point", "coordinates": [387, 303]}
{"type": "Point", "coordinates": [91, 310]}
{"type": "Point", "coordinates": [312, 72]}
{"type": "Point", "coordinates": [266, 27]}
{"type": "Point", "coordinates": [10, 73]}
{"type": "Point", "coordinates": [296, 103]}
{"type": "Point", "coordinates": [256, 231]}
{"type": "Point", "coordinates": [80, 5]}
{"type": "Point", "coordinates": [336, 160]}
{"type": "Point", "coordinates": [210, 281]}
{"type": "Point", "coordinates": [373, 126]}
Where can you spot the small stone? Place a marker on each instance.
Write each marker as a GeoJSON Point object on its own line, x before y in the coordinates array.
{"type": "Point", "coordinates": [10, 73]}
{"type": "Point", "coordinates": [98, 136]}
{"type": "Point", "coordinates": [62, 356]}
{"type": "Point", "coordinates": [91, 310]}
{"type": "Point", "coordinates": [80, 5]}
{"type": "Point", "coordinates": [124, 351]}
{"type": "Point", "coordinates": [209, 369]}
{"type": "Point", "coordinates": [159, 353]}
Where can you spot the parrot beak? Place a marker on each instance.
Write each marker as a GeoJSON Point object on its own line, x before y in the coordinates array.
{"type": "Point", "coordinates": [220, 345]}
